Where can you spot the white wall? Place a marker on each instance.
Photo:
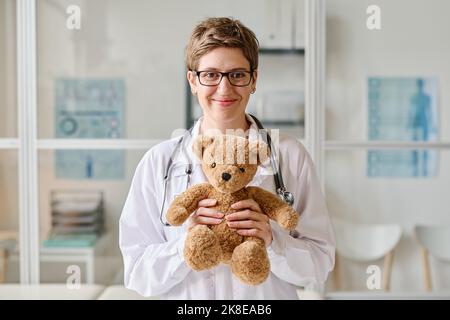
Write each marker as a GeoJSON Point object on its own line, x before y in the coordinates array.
{"type": "Point", "coordinates": [413, 41]}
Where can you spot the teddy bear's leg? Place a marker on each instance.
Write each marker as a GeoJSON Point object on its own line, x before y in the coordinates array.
{"type": "Point", "coordinates": [250, 262]}
{"type": "Point", "coordinates": [202, 248]}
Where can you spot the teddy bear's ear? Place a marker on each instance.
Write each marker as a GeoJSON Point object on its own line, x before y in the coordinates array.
{"type": "Point", "coordinates": [258, 150]}
{"type": "Point", "coordinates": [200, 143]}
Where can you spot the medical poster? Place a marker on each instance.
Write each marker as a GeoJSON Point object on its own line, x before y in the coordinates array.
{"type": "Point", "coordinates": [402, 109]}
{"type": "Point", "coordinates": [89, 109]}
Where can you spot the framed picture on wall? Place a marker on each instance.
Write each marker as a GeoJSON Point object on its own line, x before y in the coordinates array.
{"type": "Point", "coordinates": [402, 109]}
{"type": "Point", "coordinates": [89, 109]}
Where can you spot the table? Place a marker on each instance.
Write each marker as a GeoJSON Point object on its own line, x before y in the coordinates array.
{"type": "Point", "coordinates": [85, 255]}
{"type": "Point", "coordinates": [58, 291]}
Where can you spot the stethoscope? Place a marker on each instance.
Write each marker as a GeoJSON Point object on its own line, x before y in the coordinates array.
{"type": "Point", "coordinates": [280, 188]}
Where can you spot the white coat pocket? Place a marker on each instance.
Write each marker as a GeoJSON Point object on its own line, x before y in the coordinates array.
{"type": "Point", "coordinates": [177, 182]}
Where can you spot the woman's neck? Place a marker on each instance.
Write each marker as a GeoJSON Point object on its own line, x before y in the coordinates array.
{"type": "Point", "coordinates": [209, 124]}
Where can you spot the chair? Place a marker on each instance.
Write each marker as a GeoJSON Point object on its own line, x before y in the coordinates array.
{"type": "Point", "coordinates": [434, 241]}
{"type": "Point", "coordinates": [8, 240]}
{"type": "Point", "coordinates": [364, 243]}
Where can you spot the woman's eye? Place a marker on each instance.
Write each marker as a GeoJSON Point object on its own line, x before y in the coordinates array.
{"type": "Point", "coordinates": [213, 165]}
{"type": "Point", "coordinates": [242, 169]}
{"type": "Point", "coordinates": [238, 75]}
{"type": "Point", "coordinates": [211, 75]}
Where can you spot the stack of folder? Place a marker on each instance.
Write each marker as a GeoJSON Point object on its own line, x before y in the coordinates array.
{"type": "Point", "coordinates": [77, 218]}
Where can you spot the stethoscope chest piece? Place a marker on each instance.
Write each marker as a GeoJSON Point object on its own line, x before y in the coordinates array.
{"type": "Point", "coordinates": [287, 197]}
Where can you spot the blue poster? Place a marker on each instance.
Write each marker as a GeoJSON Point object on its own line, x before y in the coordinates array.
{"type": "Point", "coordinates": [402, 109]}
{"type": "Point", "coordinates": [89, 109]}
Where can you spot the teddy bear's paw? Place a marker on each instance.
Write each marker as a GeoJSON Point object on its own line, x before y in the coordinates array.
{"type": "Point", "coordinates": [250, 263]}
{"type": "Point", "coordinates": [288, 218]}
{"type": "Point", "coordinates": [202, 249]}
{"type": "Point", "coordinates": [176, 215]}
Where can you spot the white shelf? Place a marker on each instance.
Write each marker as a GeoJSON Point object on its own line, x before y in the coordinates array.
{"type": "Point", "coordinates": [76, 144]}
{"type": "Point", "coordinates": [96, 144]}
{"type": "Point", "coordinates": [9, 143]}
{"type": "Point", "coordinates": [349, 145]}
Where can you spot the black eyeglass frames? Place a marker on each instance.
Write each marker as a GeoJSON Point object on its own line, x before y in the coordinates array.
{"type": "Point", "coordinates": [239, 78]}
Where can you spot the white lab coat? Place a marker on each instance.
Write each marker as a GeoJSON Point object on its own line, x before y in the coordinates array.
{"type": "Point", "coordinates": [153, 254]}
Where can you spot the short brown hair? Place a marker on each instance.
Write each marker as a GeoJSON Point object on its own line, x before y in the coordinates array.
{"type": "Point", "coordinates": [221, 32]}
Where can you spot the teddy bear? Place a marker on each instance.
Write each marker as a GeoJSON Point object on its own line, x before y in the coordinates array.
{"type": "Point", "coordinates": [229, 163]}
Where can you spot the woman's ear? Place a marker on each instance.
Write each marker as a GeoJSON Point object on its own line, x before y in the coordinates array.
{"type": "Point", "coordinates": [192, 83]}
{"type": "Point", "coordinates": [255, 78]}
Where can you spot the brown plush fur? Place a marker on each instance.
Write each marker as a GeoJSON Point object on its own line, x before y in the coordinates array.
{"type": "Point", "coordinates": [207, 246]}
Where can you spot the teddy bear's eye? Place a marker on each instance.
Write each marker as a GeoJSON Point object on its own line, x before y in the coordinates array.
{"type": "Point", "coordinates": [242, 169]}
{"type": "Point", "coordinates": [213, 165]}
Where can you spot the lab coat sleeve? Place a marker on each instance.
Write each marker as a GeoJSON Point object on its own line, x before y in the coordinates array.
{"type": "Point", "coordinates": [152, 265]}
{"type": "Point", "coordinates": [308, 259]}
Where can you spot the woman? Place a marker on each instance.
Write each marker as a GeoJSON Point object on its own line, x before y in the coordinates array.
{"type": "Point", "coordinates": [222, 59]}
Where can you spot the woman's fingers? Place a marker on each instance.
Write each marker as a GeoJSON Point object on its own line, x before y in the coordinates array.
{"type": "Point", "coordinates": [247, 215]}
{"type": "Point", "coordinates": [205, 215]}
{"type": "Point", "coordinates": [213, 213]}
{"type": "Point", "coordinates": [207, 202]}
{"type": "Point", "coordinates": [250, 223]}
{"type": "Point", "coordinates": [207, 220]}
{"type": "Point", "coordinates": [202, 219]}
{"type": "Point", "coordinates": [247, 204]}
{"type": "Point", "coordinates": [246, 224]}
{"type": "Point", "coordinates": [251, 233]}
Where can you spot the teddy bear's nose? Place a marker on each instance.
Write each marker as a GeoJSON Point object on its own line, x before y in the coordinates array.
{"type": "Point", "coordinates": [226, 176]}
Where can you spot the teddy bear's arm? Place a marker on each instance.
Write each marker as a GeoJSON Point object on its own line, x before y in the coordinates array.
{"type": "Point", "coordinates": [274, 207]}
{"type": "Point", "coordinates": [186, 203]}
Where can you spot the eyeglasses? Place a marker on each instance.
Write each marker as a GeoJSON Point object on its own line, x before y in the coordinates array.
{"type": "Point", "coordinates": [239, 78]}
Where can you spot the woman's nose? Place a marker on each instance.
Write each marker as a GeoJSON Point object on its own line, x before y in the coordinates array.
{"type": "Point", "coordinates": [226, 176]}
{"type": "Point", "coordinates": [224, 85]}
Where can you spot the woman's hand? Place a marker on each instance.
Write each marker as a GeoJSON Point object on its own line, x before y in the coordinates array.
{"type": "Point", "coordinates": [250, 221]}
{"type": "Point", "coordinates": [205, 215]}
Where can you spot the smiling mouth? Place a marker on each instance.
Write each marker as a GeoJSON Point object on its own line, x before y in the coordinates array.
{"type": "Point", "coordinates": [225, 102]}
